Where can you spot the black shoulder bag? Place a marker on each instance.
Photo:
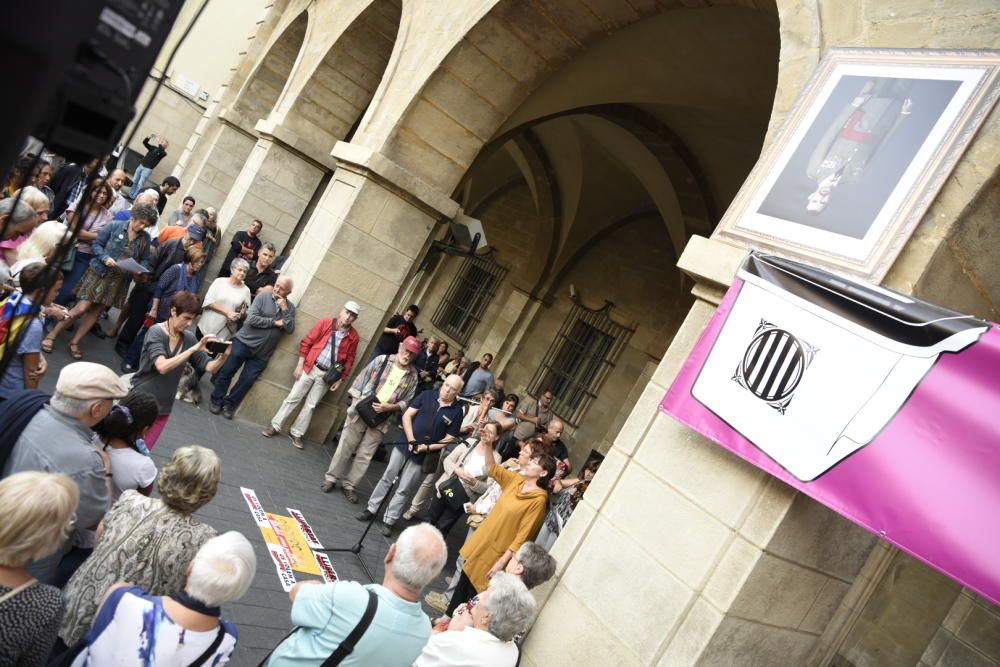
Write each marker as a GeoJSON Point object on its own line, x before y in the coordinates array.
{"type": "Point", "coordinates": [365, 406]}
{"type": "Point", "coordinates": [336, 369]}
{"type": "Point", "coordinates": [350, 641]}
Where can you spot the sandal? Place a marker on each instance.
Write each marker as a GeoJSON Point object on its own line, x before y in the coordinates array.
{"type": "Point", "coordinates": [74, 351]}
{"type": "Point", "coordinates": [47, 344]}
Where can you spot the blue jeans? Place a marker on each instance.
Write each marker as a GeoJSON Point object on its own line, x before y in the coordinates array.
{"type": "Point", "coordinates": [138, 180]}
{"type": "Point", "coordinates": [240, 356]}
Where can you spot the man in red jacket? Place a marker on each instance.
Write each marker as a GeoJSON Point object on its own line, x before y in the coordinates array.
{"type": "Point", "coordinates": [332, 341]}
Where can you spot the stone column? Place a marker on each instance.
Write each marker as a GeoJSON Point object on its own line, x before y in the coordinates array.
{"type": "Point", "coordinates": [274, 185]}
{"type": "Point", "coordinates": [681, 553]}
{"type": "Point", "coordinates": [363, 242]}
{"type": "Point", "coordinates": [214, 159]}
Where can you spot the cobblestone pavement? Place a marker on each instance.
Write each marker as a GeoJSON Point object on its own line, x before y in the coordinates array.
{"type": "Point", "coordinates": [282, 477]}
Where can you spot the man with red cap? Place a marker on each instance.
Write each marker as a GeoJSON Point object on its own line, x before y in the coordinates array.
{"type": "Point", "coordinates": [389, 380]}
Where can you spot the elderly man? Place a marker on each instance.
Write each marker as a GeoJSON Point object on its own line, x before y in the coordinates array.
{"type": "Point", "coordinates": [116, 179]}
{"type": "Point", "coordinates": [261, 276]}
{"type": "Point", "coordinates": [331, 342]}
{"type": "Point", "coordinates": [326, 614]}
{"type": "Point", "coordinates": [392, 380]}
{"type": "Point", "coordinates": [271, 314]}
{"type": "Point", "coordinates": [150, 197]}
{"type": "Point", "coordinates": [58, 439]}
{"type": "Point", "coordinates": [245, 245]}
{"type": "Point", "coordinates": [430, 424]}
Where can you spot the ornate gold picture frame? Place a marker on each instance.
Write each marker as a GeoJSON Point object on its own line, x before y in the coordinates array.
{"type": "Point", "coordinates": [863, 152]}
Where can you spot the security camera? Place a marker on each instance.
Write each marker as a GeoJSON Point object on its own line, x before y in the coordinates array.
{"type": "Point", "coordinates": [572, 291]}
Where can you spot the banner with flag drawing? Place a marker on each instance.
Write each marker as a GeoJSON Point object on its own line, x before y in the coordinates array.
{"type": "Point", "coordinates": [879, 405]}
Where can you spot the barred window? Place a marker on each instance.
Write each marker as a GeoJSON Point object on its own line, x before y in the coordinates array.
{"type": "Point", "coordinates": [471, 291]}
{"type": "Point", "coordinates": [579, 359]}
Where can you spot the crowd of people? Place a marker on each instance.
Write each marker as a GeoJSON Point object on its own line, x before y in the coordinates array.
{"type": "Point", "coordinates": [93, 566]}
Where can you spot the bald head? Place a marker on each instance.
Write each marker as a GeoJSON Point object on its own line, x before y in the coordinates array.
{"type": "Point", "coordinates": [116, 179]}
{"type": "Point", "coordinates": [283, 286]}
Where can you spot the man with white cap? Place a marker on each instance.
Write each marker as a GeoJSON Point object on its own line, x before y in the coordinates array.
{"type": "Point", "coordinates": [331, 344]}
{"type": "Point", "coordinates": [390, 380]}
{"type": "Point", "coordinates": [58, 439]}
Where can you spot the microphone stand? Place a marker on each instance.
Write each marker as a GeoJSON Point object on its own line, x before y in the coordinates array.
{"type": "Point", "coordinates": [359, 545]}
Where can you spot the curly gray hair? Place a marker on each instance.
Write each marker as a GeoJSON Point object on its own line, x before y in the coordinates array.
{"type": "Point", "coordinates": [510, 605]}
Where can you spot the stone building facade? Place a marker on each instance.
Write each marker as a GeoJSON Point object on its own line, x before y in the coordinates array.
{"type": "Point", "coordinates": [599, 142]}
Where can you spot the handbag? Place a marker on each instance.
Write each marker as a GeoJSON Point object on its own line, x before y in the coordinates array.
{"type": "Point", "coordinates": [454, 494]}
{"type": "Point", "coordinates": [336, 370]}
{"type": "Point", "coordinates": [350, 641]}
{"type": "Point", "coordinates": [430, 463]}
{"type": "Point", "coordinates": [366, 406]}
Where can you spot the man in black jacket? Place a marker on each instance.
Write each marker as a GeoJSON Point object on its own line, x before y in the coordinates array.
{"type": "Point", "coordinates": [154, 153]}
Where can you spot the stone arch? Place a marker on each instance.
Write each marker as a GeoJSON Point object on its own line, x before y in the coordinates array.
{"type": "Point", "coordinates": [263, 87]}
{"type": "Point", "coordinates": [337, 77]}
{"type": "Point", "coordinates": [495, 67]}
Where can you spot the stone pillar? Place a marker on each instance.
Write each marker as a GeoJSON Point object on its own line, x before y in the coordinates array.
{"type": "Point", "coordinates": [681, 553]}
{"type": "Point", "coordinates": [274, 185]}
{"type": "Point", "coordinates": [212, 164]}
{"type": "Point", "coordinates": [363, 242]}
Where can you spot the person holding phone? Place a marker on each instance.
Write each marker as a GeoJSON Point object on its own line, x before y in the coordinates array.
{"type": "Point", "coordinates": [168, 347]}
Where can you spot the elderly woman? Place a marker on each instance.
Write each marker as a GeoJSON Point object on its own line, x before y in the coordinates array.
{"type": "Point", "coordinates": [104, 285]}
{"type": "Point", "coordinates": [17, 221]}
{"type": "Point", "coordinates": [514, 519]}
{"type": "Point", "coordinates": [186, 623]}
{"type": "Point", "coordinates": [39, 509]}
{"type": "Point", "coordinates": [168, 346]}
{"type": "Point", "coordinates": [504, 610]}
{"type": "Point", "coordinates": [92, 213]}
{"type": "Point", "coordinates": [226, 303]}
{"type": "Point", "coordinates": [146, 541]}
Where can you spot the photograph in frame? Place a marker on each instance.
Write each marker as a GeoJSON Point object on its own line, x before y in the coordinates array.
{"type": "Point", "coordinates": [860, 157]}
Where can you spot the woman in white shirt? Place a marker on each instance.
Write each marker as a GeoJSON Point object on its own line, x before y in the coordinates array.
{"type": "Point", "coordinates": [504, 610]}
{"type": "Point", "coordinates": [120, 435]}
{"type": "Point", "coordinates": [186, 624]}
{"type": "Point", "coordinates": [226, 303]}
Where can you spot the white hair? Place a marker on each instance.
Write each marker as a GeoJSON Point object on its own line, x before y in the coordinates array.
{"type": "Point", "coordinates": [74, 407]}
{"type": "Point", "coordinates": [152, 195]}
{"type": "Point", "coordinates": [510, 604]}
{"type": "Point", "coordinates": [420, 556]}
{"type": "Point", "coordinates": [222, 570]}
{"type": "Point", "coordinates": [41, 242]}
{"type": "Point", "coordinates": [32, 196]}
{"type": "Point", "coordinates": [17, 209]}
{"type": "Point", "coordinates": [239, 263]}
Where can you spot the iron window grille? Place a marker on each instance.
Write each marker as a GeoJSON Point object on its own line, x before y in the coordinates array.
{"type": "Point", "coordinates": [471, 291]}
{"type": "Point", "coordinates": [579, 360]}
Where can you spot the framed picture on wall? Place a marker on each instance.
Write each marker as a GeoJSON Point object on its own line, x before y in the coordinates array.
{"type": "Point", "coordinates": [861, 155]}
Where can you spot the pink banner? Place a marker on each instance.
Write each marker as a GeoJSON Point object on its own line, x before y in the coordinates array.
{"type": "Point", "coordinates": [929, 480]}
